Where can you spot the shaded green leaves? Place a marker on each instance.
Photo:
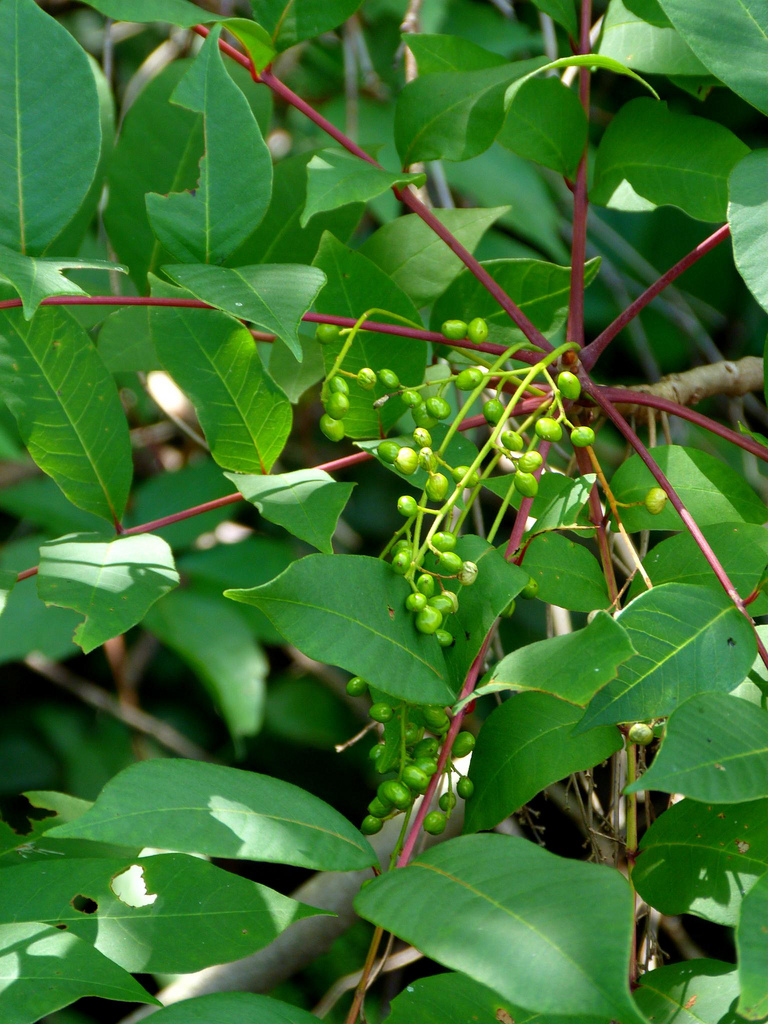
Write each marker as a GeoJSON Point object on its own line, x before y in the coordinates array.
{"type": "Point", "coordinates": [290, 21]}
{"type": "Point", "coordinates": [752, 946]}
{"type": "Point", "coordinates": [234, 1008]}
{"type": "Point", "coordinates": [697, 992]}
{"type": "Point", "coordinates": [206, 224]}
{"type": "Point", "coordinates": [503, 892]}
{"type": "Point", "coordinates": [450, 997]}
{"type": "Point", "coordinates": [67, 408]}
{"type": "Point", "coordinates": [40, 59]}
{"type": "Point", "coordinates": [177, 12]}
{"type": "Point", "coordinates": [111, 582]}
{"type": "Point", "coordinates": [37, 278]}
{"type": "Point", "coordinates": [567, 573]}
{"type": "Point", "coordinates": [747, 217]}
{"type": "Point", "coordinates": [562, 11]}
{"type": "Point", "coordinates": [545, 122]}
{"type": "Point", "coordinates": [221, 812]}
{"type": "Point", "coordinates": [349, 610]}
{"type": "Point", "coordinates": [335, 178]}
{"type": "Point", "coordinates": [307, 503]}
{"type": "Point", "coordinates": [651, 46]}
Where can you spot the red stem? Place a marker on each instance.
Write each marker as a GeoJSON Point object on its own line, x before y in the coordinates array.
{"type": "Point", "coordinates": [596, 515]}
{"type": "Point", "coordinates": [593, 351]}
{"type": "Point", "coordinates": [575, 331]}
{"type": "Point", "coordinates": [518, 527]}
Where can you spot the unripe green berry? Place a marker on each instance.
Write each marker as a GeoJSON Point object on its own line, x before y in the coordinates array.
{"type": "Point", "coordinates": [401, 563]}
{"type": "Point", "coordinates": [366, 378]}
{"type": "Point", "coordinates": [389, 379]}
{"type": "Point", "coordinates": [569, 385]}
{"type": "Point", "coordinates": [463, 744]}
{"type": "Point", "coordinates": [582, 437]}
{"type": "Point", "coordinates": [415, 602]}
{"type": "Point", "coordinates": [381, 712]}
{"type": "Point", "coordinates": [415, 779]}
{"type": "Point", "coordinates": [477, 330]}
{"type": "Point", "coordinates": [401, 545]}
{"type": "Point", "coordinates": [469, 379]}
{"type": "Point", "coordinates": [509, 610]}
{"type": "Point", "coordinates": [465, 788]}
{"type": "Point", "coordinates": [337, 405]}
{"type": "Point", "coordinates": [422, 438]}
{"type": "Point", "coordinates": [493, 410]}
{"type": "Point", "coordinates": [428, 765]}
{"type": "Point", "coordinates": [357, 687]}
{"type": "Point", "coordinates": [529, 462]}
{"type": "Point", "coordinates": [327, 333]}
{"type": "Point", "coordinates": [511, 440]}
{"type": "Point", "coordinates": [427, 460]}
{"type": "Point", "coordinates": [655, 500]}
{"type": "Point", "coordinates": [337, 385]}
{"type": "Point", "coordinates": [412, 731]}
{"type": "Point", "coordinates": [436, 486]}
{"type": "Point", "coordinates": [428, 620]}
{"type": "Point", "coordinates": [444, 540]}
{"type": "Point", "coordinates": [422, 418]}
{"type": "Point", "coordinates": [333, 429]}
{"type": "Point", "coordinates": [548, 429]}
{"type": "Point", "coordinates": [460, 474]}
{"type": "Point", "coordinates": [426, 584]}
{"type": "Point", "coordinates": [407, 505]}
{"type": "Point", "coordinates": [438, 407]}
{"type": "Point", "coordinates": [407, 461]}
{"type": "Point", "coordinates": [454, 330]}
{"type": "Point", "coordinates": [641, 734]}
{"type": "Point", "coordinates": [446, 602]}
{"type": "Point", "coordinates": [450, 562]}
{"type": "Point", "coordinates": [427, 747]}
{"type": "Point", "coordinates": [435, 823]}
{"type": "Point", "coordinates": [526, 484]}
{"type": "Point", "coordinates": [376, 751]}
{"type": "Point", "coordinates": [371, 825]}
{"type": "Point", "coordinates": [435, 719]}
{"type": "Point", "coordinates": [530, 590]}
{"type": "Point", "coordinates": [387, 451]}
{"type": "Point", "coordinates": [396, 793]}
{"type": "Point", "coordinates": [468, 573]}
{"type": "Point", "coordinates": [447, 802]}
{"type": "Point", "coordinates": [444, 638]}
{"type": "Point", "coordinates": [411, 398]}
{"type": "Point", "coordinates": [378, 808]}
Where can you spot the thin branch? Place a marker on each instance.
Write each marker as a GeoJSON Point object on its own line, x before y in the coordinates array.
{"type": "Point", "coordinates": [575, 330]}
{"type": "Point", "coordinates": [597, 519]}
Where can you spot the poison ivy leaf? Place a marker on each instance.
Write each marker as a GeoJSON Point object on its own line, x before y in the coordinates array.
{"type": "Point", "coordinates": [651, 48]}
{"type": "Point", "coordinates": [112, 583]}
{"type": "Point", "coordinates": [567, 573]}
{"type": "Point", "coordinates": [712, 491]}
{"type": "Point", "coordinates": [541, 290]}
{"type": "Point", "coordinates": [272, 296]}
{"type": "Point", "coordinates": [697, 992]}
{"type": "Point", "coordinates": [336, 178]}
{"type": "Point", "coordinates": [246, 418]}
{"type": "Point", "coordinates": [294, 377]}
{"type": "Point", "coordinates": [452, 997]}
{"type": "Point", "coordinates": [576, 957]}
{"type": "Point", "coordinates": [747, 215]}
{"type": "Point", "coordinates": [688, 640]}
{"type": "Point", "coordinates": [255, 40]}
{"type": "Point", "coordinates": [561, 11]}
{"type": "Point", "coordinates": [737, 52]}
{"type": "Point", "coordinates": [183, 13]}
{"type": "Point", "coordinates": [355, 284]}
{"type": "Point", "coordinates": [416, 259]}
{"type": "Point", "coordinates": [125, 344]}
{"type": "Point", "coordinates": [222, 812]}
{"type": "Point", "coordinates": [233, 1008]}
{"type": "Point", "coordinates": [349, 610]}
{"type": "Point", "coordinates": [752, 948]}
{"type": "Point", "coordinates": [545, 122]}
{"type": "Point", "coordinates": [36, 136]}
{"type": "Point", "coordinates": [703, 858]}
{"type": "Point", "coordinates": [307, 503]}
{"type": "Point", "coordinates": [714, 749]}
{"type": "Point", "coordinates": [585, 60]}
{"type": "Point", "coordinates": [44, 969]}
{"type": "Point", "coordinates": [217, 644]}
{"type": "Point", "coordinates": [171, 913]}
{"type": "Point", "coordinates": [67, 408]}
{"type": "Point", "coordinates": [684, 161]}
{"type": "Point", "coordinates": [290, 21]}
{"type": "Point", "coordinates": [37, 278]}
{"type": "Point", "coordinates": [206, 224]}
{"type": "Point", "coordinates": [437, 53]}
{"type": "Point", "coordinates": [525, 744]}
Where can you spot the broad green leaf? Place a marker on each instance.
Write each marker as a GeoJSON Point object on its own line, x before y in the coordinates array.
{"type": "Point", "coordinates": [218, 646]}
{"type": "Point", "coordinates": [573, 920]}
{"type": "Point", "coordinates": [112, 583]}
{"type": "Point", "coordinates": [567, 573]}
{"type": "Point", "coordinates": [651, 48]}
{"type": "Point", "coordinates": [125, 343]}
{"type": "Point", "coordinates": [572, 667]}
{"type": "Point", "coordinates": [349, 610]}
{"type": "Point", "coordinates": [594, 61]}
{"type": "Point", "coordinates": [183, 13]}
{"type": "Point", "coordinates": [737, 52]}
{"type": "Point", "coordinates": [355, 284]}
{"type": "Point", "coordinates": [684, 161]}
{"type": "Point", "coordinates": [524, 746]}
{"type": "Point", "coordinates": [336, 178]}
{"type": "Point", "coordinates": [171, 913]}
{"type": "Point", "coordinates": [291, 21]}
{"type": "Point", "coordinates": [221, 812]}
{"type": "Point", "coordinates": [44, 969]}
{"type": "Point", "coordinates": [541, 290]}
{"type": "Point", "coordinates": [752, 948]}
{"type": "Point", "coordinates": [255, 40]}
{"type": "Point", "coordinates": [39, 96]}
{"type": "Point", "coordinates": [67, 408]}
{"type": "Point", "coordinates": [559, 502]}
{"type": "Point", "coordinates": [437, 53]}
{"type": "Point", "coordinates": [712, 491]}
{"type": "Point", "coordinates": [207, 223]}
{"type": "Point", "coordinates": [416, 259]}
{"type": "Point", "coordinates": [307, 503]}
{"type": "Point", "coordinates": [747, 216]}
{"type": "Point", "coordinates": [545, 122]}
{"type": "Point", "coordinates": [696, 992]}
{"type": "Point", "coordinates": [233, 1008]}
{"type": "Point", "coordinates": [561, 11]}
{"type": "Point", "coordinates": [294, 376]}
{"type": "Point", "coordinates": [714, 749]}
{"type": "Point", "coordinates": [272, 296]}
{"type": "Point", "coordinates": [451, 997]}
{"type": "Point", "coordinates": [35, 278]}
{"type": "Point", "coordinates": [688, 640]}
{"type": "Point", "coordinates": [245, 417]}
{"type": "Point", "coordinates": [703, 858]}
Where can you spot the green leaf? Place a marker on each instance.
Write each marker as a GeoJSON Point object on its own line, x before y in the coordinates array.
{"type": "Point", "coordinates": [37, 278]}
{"type": "Point", "coordinates": [67, 408]}
{"type": "Point", "coordinates": [355, 284]}
{"type": "Point", "coordinates": [233, 1008]}
{"type": "Point", "coordinates": [545, 122]}
{"type": "Point", "coordinates": [684, 161]}
{"type": "Point", "coordinates": [290, 21]}
{"type": "Point", "coordinates": [561, 11]}
{"type": "Point", "coordinates": [349, 610]}
{"type": "Point", "coordinates": [460, 452]}
{"type": "Point", "coordinates": [567, 573]}
{"type": "Point", "coordinates": [44, 969]}
{"type": "Point", "coordinates": [714, 749]}
{"type": "Point", "coordinates": [652, 48]}
{"type": "Point", "coordinates": [294, 377]}
{"type": "Point", "coordinates": [541, 290]}
{"type": "Point", "coordinates": [747, 215]}
{"type": "Point", "coordinates": [586, 60]}
{"type": "Point", "coordinates": [336, 178]}
{"type": "Point", "coordinates": [307, 503]}
{"type": "Point", "coordinates": [437, 53]}
{"type": "Point", "coordinates": [416, 259]}
{"type": "Point", "coordinates": [576, 957]}
{"type": "Point", "coordinates": [752, 948]}
{"type": "Point", "coordinates": [451, 997]}
{"type": "Point", "coordinates": [697, 992]}
{"type": "Point", "coordinates": [712, 491]}
{"type": "Point", "coordinates": [206, 224]}
{"type": "Point", "coordinates": [255, 40]}
{"type": "Point", "coordinates": [171, 913]}
{"type": "Point", "coordinates": [524, 746]}
{"type": "Point", "coordinates": [703, 858]}
{"type": "Point", "coordinates": [215, 642]}
{"type": "Point", "coordinates": [177, 12]}
{"type": "Point", "coordinates": [737, 52]}
{"type": "Point", "coordinates": [592, 656]}
{"type": "Point", "coordinates": [559, 502]}
{"type": "Point", "coordinates": [688, 640]}
{"type": "Point", "coordinates": [246, 418]}
{"type": "Point", "coordinates": [273, 296]}
{"type": "Point", "coordinates": [125, 344]}
{"type": "Point", "coordinates": [221, 812]}
{"type": "Point", "coordinates": [37, 136]}
{"type": "Point", "coordinates": [112, 583]}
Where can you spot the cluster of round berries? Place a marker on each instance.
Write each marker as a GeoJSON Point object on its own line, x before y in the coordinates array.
{"type": "Point", "coordinates": [429, 606]}
{"type": "Point", "coordinates": [407, 728]}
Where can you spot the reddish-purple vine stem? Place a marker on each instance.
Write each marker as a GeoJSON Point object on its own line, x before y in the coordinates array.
{"type": "Point", "coordinates": [575, 330]}
{"type": "Point", "coordinates": [596, 515]}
